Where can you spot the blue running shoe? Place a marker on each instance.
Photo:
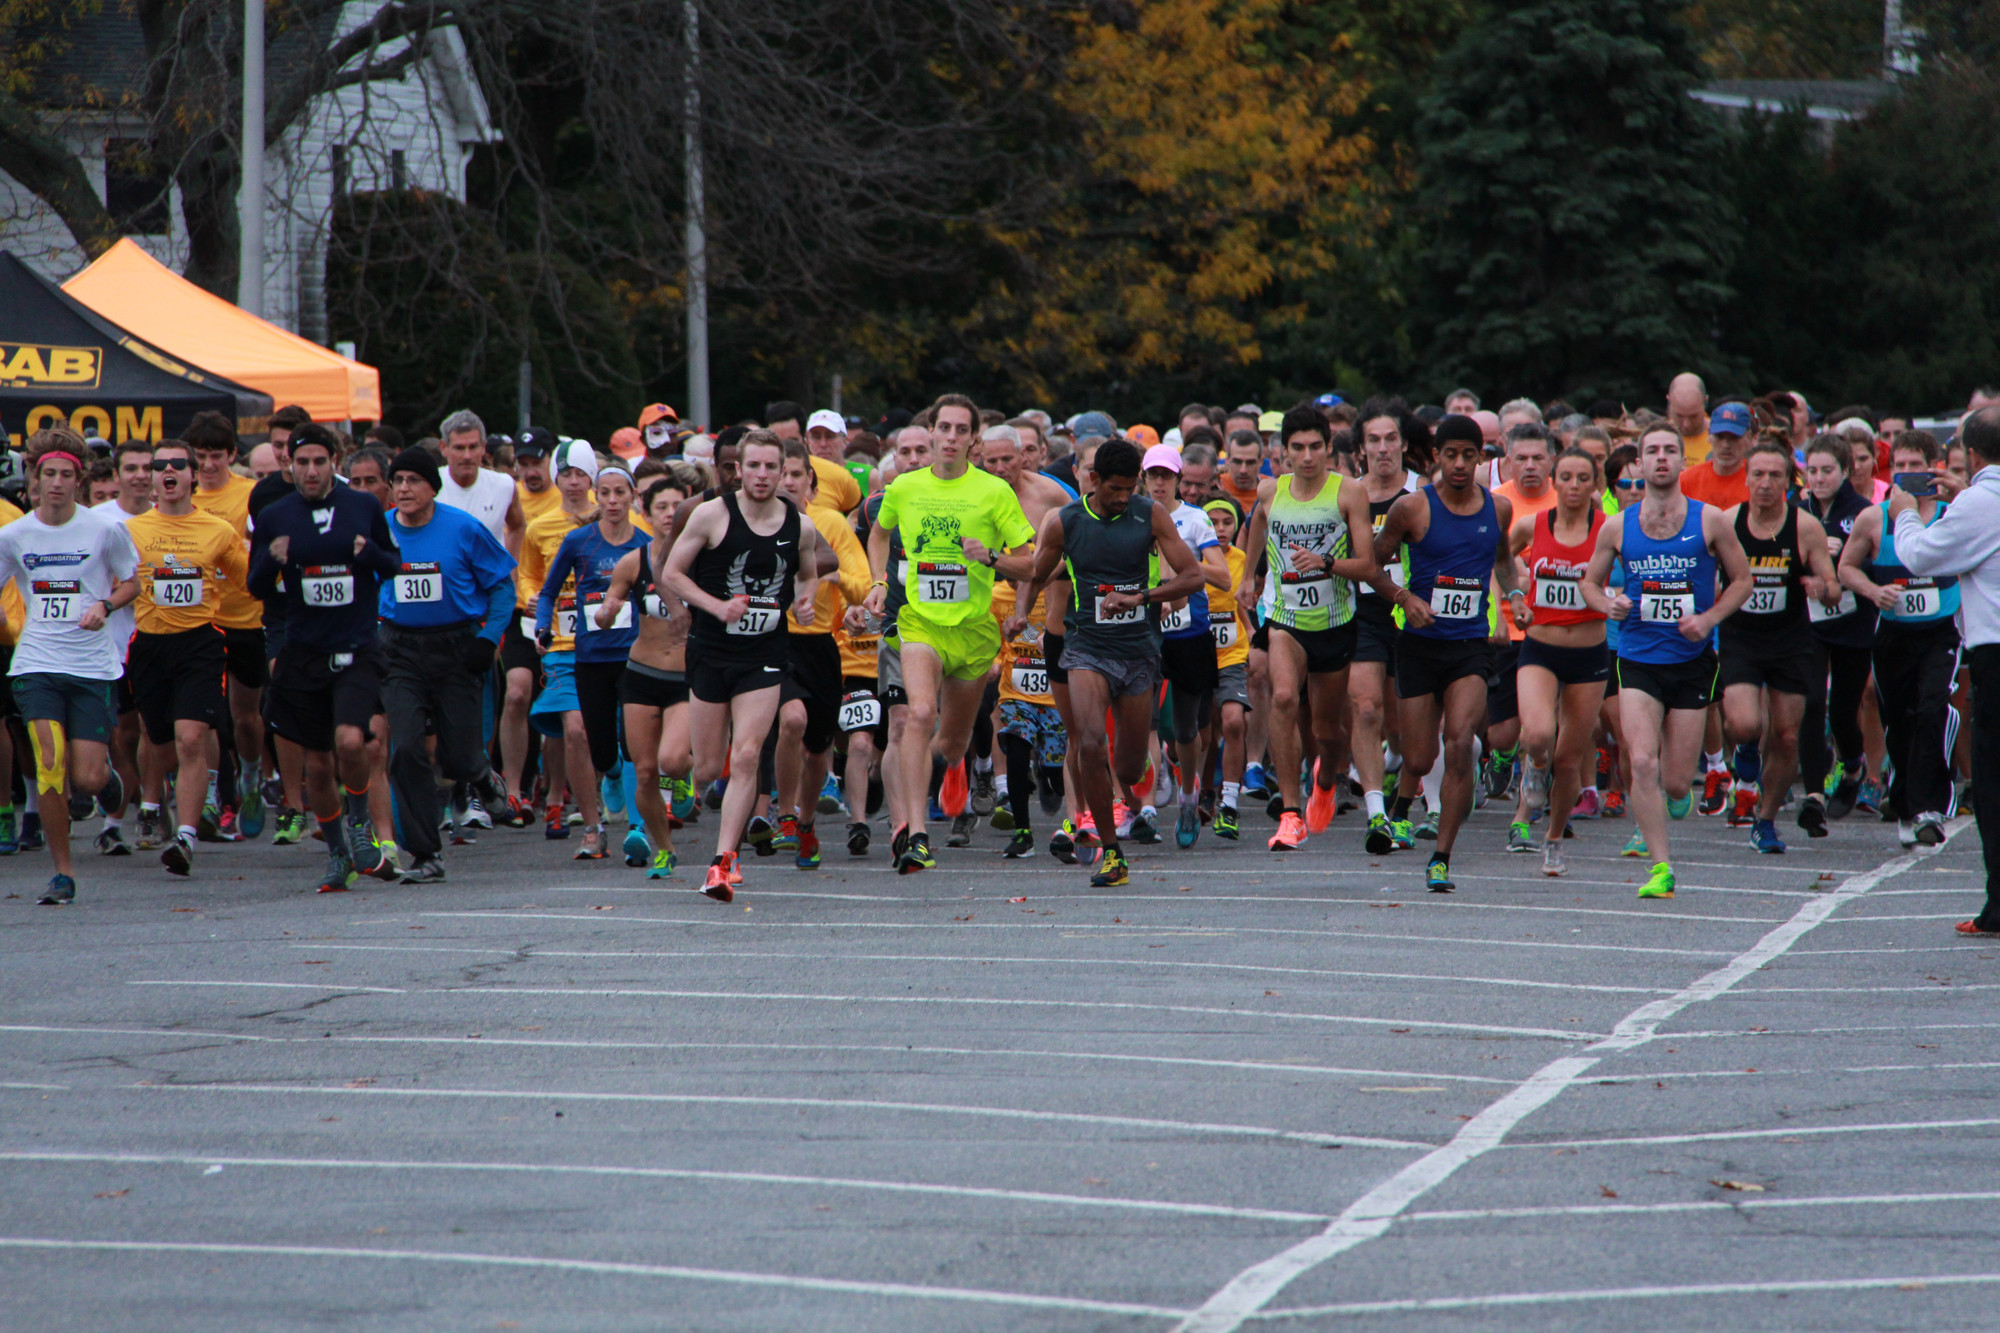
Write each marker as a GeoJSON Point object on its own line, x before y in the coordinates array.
{"type": "Point", "coordinates": [1764, 837]}
{"type": "Point", "coordinates": [637, 850]}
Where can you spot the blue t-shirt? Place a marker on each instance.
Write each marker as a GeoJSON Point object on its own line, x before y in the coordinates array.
{"type": "Point", "coordinates": [585, 553]}
{"type": "Point", "coordinates": [330, 594]}
{"type": "Point", "coordinates": [449, 569]}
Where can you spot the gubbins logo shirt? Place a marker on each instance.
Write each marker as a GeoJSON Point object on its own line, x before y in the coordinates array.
{"type": "Point", "coordinates": [1665, 580]}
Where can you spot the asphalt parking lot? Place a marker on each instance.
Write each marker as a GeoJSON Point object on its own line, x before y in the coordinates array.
{"type": "Point", "coordinates": [1249, 1089]}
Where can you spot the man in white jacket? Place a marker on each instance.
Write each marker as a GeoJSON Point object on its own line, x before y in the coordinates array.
{"type": "Point", "coordinates": [1965, 541]}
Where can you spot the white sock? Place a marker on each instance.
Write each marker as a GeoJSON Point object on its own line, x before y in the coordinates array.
{"type": "Point", "coordinates": [1373, 800]}
{"type": "Point", "coordinates": [1000, 787]}
{"type": "Point", "coordinates": [187, 831]}
{"type": "Point", "coordinates": [1187, 797]}
{"type": "Point", "coordinates": [983, 765]}
{"type": "Point", "coordinates": [1711, 763]}
{"type": "Point", "coordinates": [1392, 759]}
{"type": "Point", "coordinates": [112, 822]}
{"type": "Point", "coordinates": [1433, 787]}
{"type": "Point", "coordinates": [1230, 792]}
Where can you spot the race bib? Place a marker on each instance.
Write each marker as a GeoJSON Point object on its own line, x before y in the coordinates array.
{"type": "Point", "coordinates": [1816, 610]}
{"type": "Point", "coordinates": [593, 600]}
{"type": "Point", "coordinates": [1917, 599]}
{"type": "Point", "coordinates": [1130, 616]}
{"type": "Point", "coordinates": [860, 709]}
{"type": "Point", "coordinates": [1665, 603]}
{"type": "Point", "coordinates": [764, 616]}
{"type": "Point", "coordinates": [419, 583]}
{"type": "Point", "coordinates": [1173, 622]}
{"type": "Point", "coordinates": [1559, 592]}
{"type": "Point", "coordinates": [1031, 677]}
{"type": "Point", "coordinates": [56, 601]}
{"type": "Point", "coordinates": [1306, 590]}
{"type": "Point", "coordinates": [174, 586]}
{"type": "Point", "coordinates": [566, 617]}
{"type": "Point", "coordinates": [327, 585]}
{"type": "Point", "coordinates": [1226, 632]}
{"type": "Point", "coordinates": [1767, 599]}
{"type": "Point", "coordinates": [941, 582]}
{"type": "Point", "coordinates": [1454, 598]}
{"type": "Point", "coordinates": [1395, 572]}
{"type": "Point", "coordinates": [528, 628]}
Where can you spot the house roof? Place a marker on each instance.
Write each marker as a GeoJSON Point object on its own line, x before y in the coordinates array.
{"type": "Point", "coordinates": [1823, 99]}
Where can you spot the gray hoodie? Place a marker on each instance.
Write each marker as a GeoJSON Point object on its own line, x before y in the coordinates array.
{"type": "Point", "coordinates": [1965, 540]}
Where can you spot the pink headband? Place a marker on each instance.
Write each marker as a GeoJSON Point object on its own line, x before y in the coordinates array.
{"type": "Point", "coordinates": [75, 462]}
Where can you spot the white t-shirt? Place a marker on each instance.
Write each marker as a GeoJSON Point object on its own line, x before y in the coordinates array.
{"type": "Point", "coordinates": [486, 499]}
{"type": "Point", "coordinates": [124, 622]}
{"type": "Point", "coordinates": [61, 571]}
{"type": "Point", "coordinates": [1195, 529]}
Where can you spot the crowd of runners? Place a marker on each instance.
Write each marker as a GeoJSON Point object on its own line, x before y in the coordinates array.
{"type": "Point", "coordinates": [913, 626]}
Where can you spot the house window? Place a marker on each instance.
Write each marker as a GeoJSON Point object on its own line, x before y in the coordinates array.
{"type": "Point", "coordinates": [399, 169]}
{"type": "Point", "coordinates": [135, 189]}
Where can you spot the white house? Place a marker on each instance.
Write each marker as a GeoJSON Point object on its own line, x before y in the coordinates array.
{"type": "Point", "coordinates": [418, 130]}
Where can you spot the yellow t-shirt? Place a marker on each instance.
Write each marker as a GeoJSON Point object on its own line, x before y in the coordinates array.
{"type": "Point", "coordinates": [850, 588]}
{"type": "Point", "coordinates": [1232, 641]}
{"type": "Point", "coordinates": [185, 563]}
{"type": "Point", "coordinates": [534, 504]}
{"type": "Point", "coordinates": [235, 608]}
{"type": "Point", "coordinates": [13, 611]}
{"type": "Point", "coordinates": [538, 551]}
{"type": "Point", "coordinates": [1695, 448]}
{"type": "Point", "coordinates": [1024, 671]}
{"type": "Point", "coordinates": [837, 486]}
{"type": "Point", "coordinates": [933, 516]}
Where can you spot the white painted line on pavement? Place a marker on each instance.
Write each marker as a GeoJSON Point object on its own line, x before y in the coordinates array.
{"type": "Point", "coordinates": [1245, 1295]}
{"type": "Point", "coordinates": [1915, 916]}
{"type": "Point", "coordinates": [134, 1032]}
{"type": "Point", "coordinates": [1699, 1206]}
{"type": "Point", "coordinates": [276, 985]}
{"type": "Point", "coordinates": [1914, 1281]}
{"type": "Point", "coordinates": [822, 1103]}
{"type": "Point", "coordinates": [1731, 1135]}
{"type": "Point", "coordinates": [1834, 1032]}
{"type": "Point", "coordinates": [36, 1087]}
{"type": "Point", "coordinates": [844, 1286]}
{"type": "Point", "coordinates": [670, 1173]}
{"type": "Point", "coordinates": [1939, 987]}
{"type": "Point", "coordinates": [1803, 1073]}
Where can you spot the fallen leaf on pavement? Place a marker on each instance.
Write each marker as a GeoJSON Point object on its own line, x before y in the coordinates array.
{"type": "Point", "coordinates": [111, 1194]}
{"type": "Point", "coordinates": [360, 1082]}
{"type": "Point", "coordinates": [1742, 1186]}
{"type": "Point", "coordinates": [1607, 1192]}
{"type": "Point", "coordinates": [1017, 900]}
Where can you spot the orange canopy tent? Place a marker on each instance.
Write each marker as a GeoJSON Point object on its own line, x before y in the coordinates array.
{"type": "Point", "coordinates": [131, 288]}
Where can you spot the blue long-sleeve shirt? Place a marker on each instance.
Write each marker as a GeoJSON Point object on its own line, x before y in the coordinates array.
{"type": "Point", "coordinates": [453, 570]}
{"type": "Point", "coordinates": [585, 553]}
{"type": "Point", "coordinates": [330, 594]}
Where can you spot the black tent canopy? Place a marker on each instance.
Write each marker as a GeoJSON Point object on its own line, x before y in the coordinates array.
{"type": "Point", "coordinates": [62, 362]}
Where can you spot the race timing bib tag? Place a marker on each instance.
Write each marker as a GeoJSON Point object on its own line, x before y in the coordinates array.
{"type": "Point", "coordinates": [941, 582]}
{"type": "Point", "coordinates": [566, 618]}
{"type": "Point", "coordinates": [1031, 676]}
{"type": "Point", "coordinates": [1917, 599]}
{"type": "Point", "coordinates": [174, 586]}
{"type": "Point", "coordinates": [1173, 622]}
{"type": "Point", "coordinates": [761, 617]}
{"type": "Point", "coordinates": [422, 582]}
{"type": "Point", "coordinates": [593, 600]}
{"type": "Point", "coordinates": [860, 710]}
{"type": "Point", "coordinates": [656, 608]}
{"type": "Point", "coordinates": [1559, 591]}
{"type": "Point", "coordinates": [1130, 616]}
{"type": "Point", "coordinates": [1456, 598]}
{"type": "Point", "coordinates": [1304, 590]}
{"type": "Point", "coordinates": [327, 585]}
{"type": "Point", "coordinates": [1767, 598]}
{"type": "Point", "coordinates": [1226, 632]}
{"type": "Point", "coordinates": [1816, 610]}
{"type": "Point", "coordinates": [56, 601]}
{"type": "Point", "coordinates": [1665, 603]}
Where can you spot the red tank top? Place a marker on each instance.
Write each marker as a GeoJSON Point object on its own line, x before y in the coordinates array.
{"type": "Point", "coordinates": [1555, 572]}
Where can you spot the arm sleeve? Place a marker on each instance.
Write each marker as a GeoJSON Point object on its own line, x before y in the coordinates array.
{"type": "Point", "coordinates": [854, 580]}
{"type": "Point", "coordinates": [499, 606]}
{"type": "Point", "coordinates": [552, 583]}
{"type": "Point", "coordinates": [1963, 538]}
{"type": "Point", "coordinates": [263, 580]}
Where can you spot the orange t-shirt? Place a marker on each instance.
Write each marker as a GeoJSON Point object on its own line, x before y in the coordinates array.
{"type": "Point", "coordinates": [1700, 482]}
{"type": "Point", "coordinates": [1523, 508]}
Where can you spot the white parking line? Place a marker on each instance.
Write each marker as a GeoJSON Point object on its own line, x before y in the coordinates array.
{"type": "Point", "coordinates": [1912, 1281]}
{"type": "Point", "coordinates": [822, 1103]}
{"type": "Point", "coordinates": [1790, 1131]}
{"type": "Point", "coordinates": [668, 1173]}
{"type": "Point", "coordinates": [1369, 1216]}
{"type": "Point", "coordinates": [1936, 1066]}
{"type": "Point", "coordinates": [600, 1267]}
{"type": "Point", "coordinates": [277, 985]}
{"type": "Point", "coordinates": [1699, 1206]}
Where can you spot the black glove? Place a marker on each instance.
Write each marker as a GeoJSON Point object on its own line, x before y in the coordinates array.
{"type": "Point", "coordinates": [479, 655]}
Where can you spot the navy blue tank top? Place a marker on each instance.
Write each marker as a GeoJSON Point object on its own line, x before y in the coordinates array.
{"type": "Point", "coordinates": [1451, 566]}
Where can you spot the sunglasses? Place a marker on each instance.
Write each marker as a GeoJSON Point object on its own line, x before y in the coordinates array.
{"type": "Point", "coordinates": [171, 465]}
{"type": "Point", "coordinates": [1629, 483]}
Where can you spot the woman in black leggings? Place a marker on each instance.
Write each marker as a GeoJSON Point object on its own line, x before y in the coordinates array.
{"type": "Point", "coordinates": [1846, 633]}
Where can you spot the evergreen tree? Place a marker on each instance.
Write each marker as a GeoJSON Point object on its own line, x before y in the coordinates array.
{"type": "Point", "coordinates": [1578, 230]}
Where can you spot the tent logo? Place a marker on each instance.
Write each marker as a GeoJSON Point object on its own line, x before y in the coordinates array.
{"type": "Point", "coordinates": [33, 365]}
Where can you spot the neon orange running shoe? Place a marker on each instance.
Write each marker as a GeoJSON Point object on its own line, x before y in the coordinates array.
{"type": "Point", "coordinates": [717, 885]}
{"type": "Point", "coordinates": [956, 791]}
{"type": "Point", "coordinates": [1320, 805]}
{"type": "Point", "coordinates": [1291, 834]}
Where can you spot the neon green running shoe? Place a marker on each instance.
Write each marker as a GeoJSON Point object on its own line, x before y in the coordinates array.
{"type": "Point", "coordinates": [663, 864]}
{"type": "Point", "coordinates": [1225, 823]}
{"type": "Point", "coordinates": [1437, 875]}
{"type": "Point", "coordinates": [1678, 806]}
{"type": "Point", "coordinates": [1661, 885]}
{"type": "Point", "coordinates": [1403, 833]}
{"type": "Point", "coordinates": [1380, 840]}
{"type": "Point", "coordinates": [1520, 837]}
{"type": "Point", "coordinates": [1636, 846]}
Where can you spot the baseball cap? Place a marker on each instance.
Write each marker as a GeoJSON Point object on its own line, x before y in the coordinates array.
{"type": "Point", "coordinates": [657, 412]}
{"type": "Point", "coordinates": [627, 443]}
{"type": "Point", "coordinates": [1270, 421]}
{"type": "Point", "coordinates": [1092, 425]}
{"type": "Point", "coordinates": [579, 455]}
{"type": "Point", "coordinates": [1161, 455]}
{"type": "Point", "coordinates": [827, 419]}
{"type": "Point", "coordinates": [1143, 436]}
{"type": "Point", "coordinates": [535, 441]}
{"type": "Point", "coordinates": [1730, 419]}
{"type": "Point", "coordinates": [1328, 400]}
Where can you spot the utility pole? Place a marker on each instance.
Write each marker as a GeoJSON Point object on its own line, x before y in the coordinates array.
{"type": "Point", "coordinates": [697, 238]}
{"type": "Point", "coordinates": [250, 187]}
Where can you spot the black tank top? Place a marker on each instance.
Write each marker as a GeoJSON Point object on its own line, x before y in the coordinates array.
{"type": "Point", "coordinates": [746, 564]}
{"type": "Point", "coordinates": [647, 594]}
{"type": "Point", "coordinates": [1106, 555]}
{"type": "Point", "coordinates": [1366, 602]}
{"type": "Point", "coordinates": [1777, 602]}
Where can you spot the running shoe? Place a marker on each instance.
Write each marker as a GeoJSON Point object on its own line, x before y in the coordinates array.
{"type": "Point", "coordinates": [955, 792]}
{"type": "Point", "coordinates": [1020, 845]}
{"type": "Point", "coordinates": [1587, 807]}
{"type": "Point", "coordinates": [760, 835]}
{"type": "Point", "coordinates": [963, 824]}
{"type": "Point", "coordinates": [899, 842]}
{"type": "Point", "coordinates": [1048, 788]}
{"type": "Point", "coordinates": [1660, 884]}
{"type": "Point", "coordinates": [1275, 806]}
{"type": "Point", "coordinates": [1963, 928]}
{"type": "Point", "coordinates": [1520, 837]}
{"type": "Point", "coordinates": [610, 798]}
{"type": "Point", "coordinates": [208, 824]}
{"type": "Point", "coordinates": [1607, 764]}
{"type": "Point", "coordinates": [1225, 823]}
{"type": "Point", "coordinates": [735, 870]}
{"type": "Point", "coordinates": [1086, 830]}
{"type": "Point", "coordinates": [1743, 805]}
{"type": "Point", "coordinates": [250, 818]}
{"type": "Point", "coordinates": [1906, 833]}
{"type": "Point", "coordinates": [637, 850]}
{"type": "Point", "coordinates": [178, 857]}
{"type": "Point", "coordinates": [10, 842]}
{"type": "Point", "coordinates": [1062, 843]}
{"type": "Point", "coordinates": [1405, 836]}
{"type": "Point", "coordinates": [272, 790]}
{"type": "Point", "coordinates": [1930, 828]}
{"type": "Point", "coordinates": [593, 845]}
{"type": "Point", "coordinates": [519, 813]}
{"type": "Point", "coordinates": [857, 839]}
{"type": "Point", "coordinates": [1714, 791]}
{"type": "Point", "coordinates": [787, 837]}
{"type": "Point", "coordinates": [1113, 873]}
{"type": "Point", "coordinates": [228, 830]}
{"type": "Point", "coordinates": [1846, 790]}
{"type": "Point", "coordinates": [1187, 825]}
{"type": "Point", "coordinates": [1146, 826]}
{"type": "Point", "coordinates": [1552, 860]}
{"type": "Point", "coordinates": [712, 798]}
{"type": "Point", "coordinates": [1346, 796]}
{"type": "Point", "coordinates": [1437, 875]}
{"type": "Point", "coordinates": [1003, 818]}
{"type": "Point", "coordinates": [684, 802]}
{"type": "Point", "coordinates": [1534, 786]}
{"type": "Point", "coordinates": [1427, 828]}
{"type": "Point", "coordinates": [574, 817]}
{"type": "Point", "coordinates": [917, 856]}
{"type": "Point", "coordinates": [1121, 818]}
{"type": "Point", "coordinates": [555, 827]}
{"type": "Point", "coordinates": [806, 857]}
{"type": "Point", "coordinates": [716, 884]}
{"type": "Point", "coordinates": [1381, 839]}
{"type": "Point", "coordinates": [60, 892]}
{"type": "Point", "coordinates": [829, 796]}
{"type": "Point", "coordinates": [364, 854]}
{"type": "Point", "coordinates": [983, 796]}
{"type": "Point", "coordinates": [1764, 837]}
{"type": "Point", "coordinates": [31, 838]}
{"type": "Point", "coordinates": [1500, 776]}
{"type": "Point", "coordinates": [289, 828]}
{"type": "Point", "coordinates": [1812, 815]}
{"type": "Point", "coordinates": [1635, 845]}
{"type": "Point", "coordinates": [934, 813]}
{"type": "Point", "coordinates": [456, 834]}
{"type": "Point", "coordinates": [1320, 805]}
{"type": "Point", "coordinates": [1392, 782]}
{"type": "Point", "coordinates": [111, 842]}
{"type": "Point", "coordinates": [663, 864]}
{"type": "Point", "coordinates": [1291, 834]}
{"type": "Point", "coordinates": [1868, 796]}
{"type": "Point", "coordinates": [1255, 785]}
{"type": "Point", "coordinates": [1613, 805]}
{"type": "Point", "coordinates": [1677, 806]}
{"type": "Point", "coordinates": [425, 870]}
{"type": "Point", "coordinates": [476, 816]}
{"type": "Point", "coordinates": [81, 807]}
{"type": "Point", "coordinates": [339, 875]}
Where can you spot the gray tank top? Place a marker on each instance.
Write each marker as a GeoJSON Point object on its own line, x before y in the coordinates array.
{"type": "Point", "coordinates": [1106, 556]}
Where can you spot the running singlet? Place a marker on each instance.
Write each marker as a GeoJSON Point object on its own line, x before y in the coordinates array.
{"type": "Point", "coordinates": [1665, 580]}
{"type": "Point", "coordinates": [1199, 534]}
{"type": "Point", "coordinates": [1451, 566]}
{"type": "Point", "coordinates": [745, 564]}
{"type": "Point", "coordinates": [1555, 572]}
{"type": "Point", "coordinates": [944, 586]}
{"type": "Point", "coordinates": [1318, 599]}
{"type": "Point", "coordinates": [1918, 599]}
{"type": "Point", "coordinates": [1378, 513]}
{"type": "Point", "coordinates": [1232, 645]}
{"type": "Point", "coordinates": [1104, 556]}
{"type": "Point", "coordinates": [1777, 604]}
{"type": "Point", "coordinates": [1852, 623]}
